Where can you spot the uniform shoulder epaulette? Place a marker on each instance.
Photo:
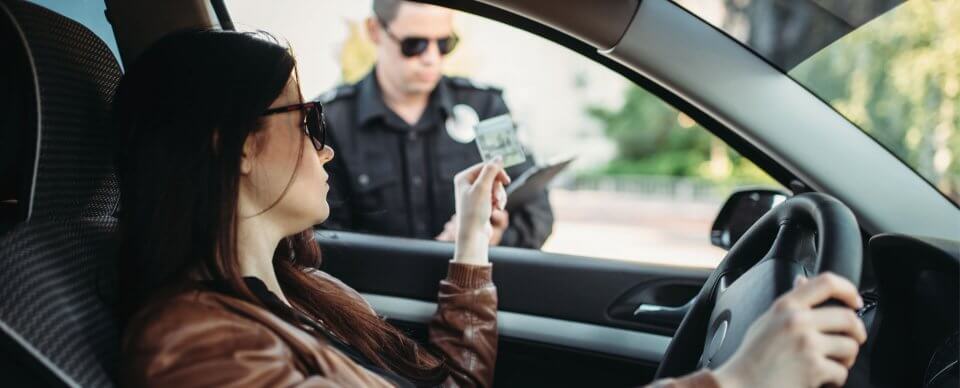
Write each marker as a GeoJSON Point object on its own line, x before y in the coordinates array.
{"type": "Point", "coordinates": [467, 83]}
{"type": "Point", "coordinates": [337, 93]}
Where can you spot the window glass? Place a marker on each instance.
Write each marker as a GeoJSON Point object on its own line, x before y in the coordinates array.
{"type": "Point", "coordinates": [898, 79]}
{"type": "Point", "coordinates": [90, 13]}
{"type": "Point", "coordinates": [891, 67]}
{"type": "Point", "coordinates": [646, 183]}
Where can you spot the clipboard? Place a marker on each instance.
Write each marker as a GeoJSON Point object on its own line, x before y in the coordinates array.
{"type": "Point", "coordinates": [532, 182]}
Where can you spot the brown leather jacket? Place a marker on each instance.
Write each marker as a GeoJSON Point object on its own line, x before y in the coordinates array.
{"type": "Point", "coordinates": [203, 338]}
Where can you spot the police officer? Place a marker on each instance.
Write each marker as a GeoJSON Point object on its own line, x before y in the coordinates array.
{"type": "Point", "coordinates": [403, 132]}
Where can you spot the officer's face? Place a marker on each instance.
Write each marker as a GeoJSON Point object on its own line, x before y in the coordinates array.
{"type": "Point", "coordinates": [418, 74]}
{"type": "Point", "coordinates": [280, 163]}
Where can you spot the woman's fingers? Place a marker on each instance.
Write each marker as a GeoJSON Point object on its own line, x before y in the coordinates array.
{"type": "Point", "coordinates": [839, 320]}
{"type": "Point", "coordinates": [474, 173]}
{"type": "Point", "coordinates": [840, 348]}
{"type": "Point", "coordinates": [831, 372]}
{"type": "Point", "coordinates": [499, 195]}
{"type": "Point", "coordinates": [824, 287]}
{"type": "Point", "coordinates": [503, 178]}
{"type": "Point", "coordinates": [470, 174]}
{"type": "Point", "coordinates": [488, 174]}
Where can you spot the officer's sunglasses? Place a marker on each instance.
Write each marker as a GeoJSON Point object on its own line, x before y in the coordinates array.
{"type": "Point", "coordinates": [413, 46]}
{"type": "Point", "coordinates": [313, 124]}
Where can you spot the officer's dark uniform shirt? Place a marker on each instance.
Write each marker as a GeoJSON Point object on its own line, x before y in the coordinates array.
{"type": "Point", "coordinates": [392, 178]}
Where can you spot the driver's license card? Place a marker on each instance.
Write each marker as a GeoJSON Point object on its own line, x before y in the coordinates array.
{"type": "Point", "coordinates": [497, 136]}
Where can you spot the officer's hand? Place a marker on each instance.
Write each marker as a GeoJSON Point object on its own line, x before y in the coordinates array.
{"type": "Point", "coordinates": [449, 232]}
{"type": "Point", "coordinates": [499, 220]}
{"type": "Point", "coordinates": [478, 190]}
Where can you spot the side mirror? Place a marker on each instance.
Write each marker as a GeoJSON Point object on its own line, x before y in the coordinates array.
{"type": "Point", "coordinates": [741, 211]}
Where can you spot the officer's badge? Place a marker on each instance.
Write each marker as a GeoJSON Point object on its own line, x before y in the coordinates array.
{"type": "Point", "coordinates": [462, 122]}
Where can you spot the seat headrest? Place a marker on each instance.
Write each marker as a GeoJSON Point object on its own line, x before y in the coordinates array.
{"type": "Point", "coordinates": [74, 75]}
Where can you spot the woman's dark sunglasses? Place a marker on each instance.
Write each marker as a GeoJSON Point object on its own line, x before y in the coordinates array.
{"type": "Point", "coordinates": [414, 46]}
{"type": "Point", "coordinates": [313, 123]}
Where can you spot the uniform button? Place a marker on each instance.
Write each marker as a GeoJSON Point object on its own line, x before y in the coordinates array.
{"type": "Point", "coordinates": [363, 179]}
{"type": "Point", "coordinates": [421, 227]}
{"type": "Point", "coordinates": [412, 136]}
{"type": "Point", "coordinates": [417, 181]}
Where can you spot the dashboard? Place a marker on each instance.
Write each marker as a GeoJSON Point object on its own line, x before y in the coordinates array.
{"type": "Point", "coordinates": [912, 315]}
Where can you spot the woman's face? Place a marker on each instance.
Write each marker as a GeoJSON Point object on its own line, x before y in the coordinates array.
{"type": "Point", "coordinates": [270, 162]}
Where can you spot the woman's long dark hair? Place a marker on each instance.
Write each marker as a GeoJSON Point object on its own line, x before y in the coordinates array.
{"type": "Point", "coordinates": [183, 112]}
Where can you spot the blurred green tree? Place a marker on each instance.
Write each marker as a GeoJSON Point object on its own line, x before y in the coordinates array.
{"type": "Point", "coordinates": [653, 138]}
{"type": "Point", "coordinates": [898, 78]}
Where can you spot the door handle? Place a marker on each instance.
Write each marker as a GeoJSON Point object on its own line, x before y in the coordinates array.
{"type": "Point", "coordinates": [659, 305]}
{"type": "Point", "coordinates": [662, 314]}
{"type": "Point", "coordinates": [645, 308]}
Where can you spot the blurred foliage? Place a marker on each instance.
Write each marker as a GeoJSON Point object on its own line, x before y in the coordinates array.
{"type": "Point", "coordinates": [357, 54]}
{"type": "Point", "coordinates": [653, 138]}
{"type": "Point", "coordinates": [898, 78]}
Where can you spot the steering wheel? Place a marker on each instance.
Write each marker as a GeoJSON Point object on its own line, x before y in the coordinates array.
{"type": "Point", "coordinates": [807, 234]}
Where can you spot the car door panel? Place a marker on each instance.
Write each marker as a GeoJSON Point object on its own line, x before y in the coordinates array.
{"type": "Point", "coordinates": [531, 282]}
{"type": "Point", "coordinates": [562, 319]}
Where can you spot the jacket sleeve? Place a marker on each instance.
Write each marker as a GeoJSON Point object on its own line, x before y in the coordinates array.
{"type": "Point", "coordinates": [464, 327]}
{"type": "Point", "coordinates": [532, 223]}
{"type": "Point", "coordinates": [701, 379]}
{"type": "Point", "coordinates": [206, 347]}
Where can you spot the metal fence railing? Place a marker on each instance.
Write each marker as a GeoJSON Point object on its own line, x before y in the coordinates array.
{"type": "Point", "coordinates": [665, 187]}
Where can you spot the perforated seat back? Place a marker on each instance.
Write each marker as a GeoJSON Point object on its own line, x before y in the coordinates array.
{"type": "Point", "coordinates": [56, 281]}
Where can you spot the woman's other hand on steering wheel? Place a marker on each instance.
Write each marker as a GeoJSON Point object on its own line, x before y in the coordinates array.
{"type": "Point", "coordinates": [795, 344]}
{"type": "Point", "coordinates": [478, 190]}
